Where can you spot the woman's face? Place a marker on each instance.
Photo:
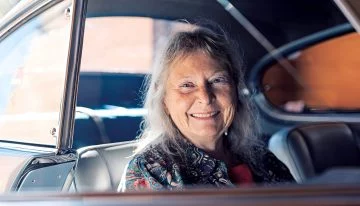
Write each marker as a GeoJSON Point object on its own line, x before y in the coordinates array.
{"type": "Point", "coordinates": [200, 97]}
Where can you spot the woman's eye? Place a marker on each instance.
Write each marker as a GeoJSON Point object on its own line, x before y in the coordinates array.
{"type": "Point", "coordinates": [220, 80]}
{"type": "Point", "coordinates": [187, 85]}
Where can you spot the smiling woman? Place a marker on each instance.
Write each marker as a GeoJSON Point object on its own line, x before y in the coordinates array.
{"type": "Point", "coordinates": [198, 131]}
{"type": "Point", "coordinates": [200, 99]}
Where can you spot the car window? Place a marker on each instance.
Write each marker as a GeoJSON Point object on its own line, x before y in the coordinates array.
{"type": "Point", "coordinates": [32, 73]}
{"type": "Point", "coordinates": [128, 44]}
{"type": "Point", "coordinates": [6, 6]}
{"type": "Point", "coordinates": [325, 78]}
{"type": "Point", "coordinates": [112, 73]}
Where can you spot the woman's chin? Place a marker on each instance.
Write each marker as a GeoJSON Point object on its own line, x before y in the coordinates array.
{"type": "Point", "coordinates": [207, 134]}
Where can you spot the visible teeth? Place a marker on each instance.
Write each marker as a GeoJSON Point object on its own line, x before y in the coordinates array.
{"type": "Point", "coordinates": [204, 115]}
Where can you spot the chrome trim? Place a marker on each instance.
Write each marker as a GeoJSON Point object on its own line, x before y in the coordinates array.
{"type": "Point", "coordinates": [18, 19]}
{"type": "Point", "coordinates": [17, 11]}
{"type": "Point", "coordinates": [277, 115]}
{"type": "Point", "coordinates": [54, 159]}
{"type": "Point", "coordinates": [132, 143]}
{"type": "Point", "coordinates": [67, 113]}
{"type": "Point", "coordinates": [350, 12]}
{"type": "Point", "coordinates": [26, 148]}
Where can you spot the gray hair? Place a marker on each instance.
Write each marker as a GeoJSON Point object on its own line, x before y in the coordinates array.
{"type": "Point", "coordinates": [157, 126]}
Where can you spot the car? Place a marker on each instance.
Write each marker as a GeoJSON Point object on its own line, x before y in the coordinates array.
{"type": "Point", "coordinates": [72, 75]}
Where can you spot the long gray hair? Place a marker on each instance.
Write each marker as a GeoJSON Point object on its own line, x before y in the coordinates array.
{"type": "Point", "coordinates": [157, 126]}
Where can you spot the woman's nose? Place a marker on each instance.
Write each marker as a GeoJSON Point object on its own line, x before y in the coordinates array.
{"type": "Point", "coordinates": [205, 95]}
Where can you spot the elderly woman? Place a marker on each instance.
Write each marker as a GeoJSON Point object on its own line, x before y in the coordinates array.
{"type": "Point", "coordinates": [199, 130]}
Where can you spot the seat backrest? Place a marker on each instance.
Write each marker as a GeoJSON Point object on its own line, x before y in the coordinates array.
{"type": "Point", "coordinates": [310, 150]}
{"type": "Point", "coordinates": [99, 168]}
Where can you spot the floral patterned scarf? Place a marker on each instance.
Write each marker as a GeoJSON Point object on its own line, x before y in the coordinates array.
{"type": "Point", "coordinates": [154, 169]}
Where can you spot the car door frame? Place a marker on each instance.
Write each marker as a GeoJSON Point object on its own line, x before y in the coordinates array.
{"type": "Point", "coordinates": [40, 159]}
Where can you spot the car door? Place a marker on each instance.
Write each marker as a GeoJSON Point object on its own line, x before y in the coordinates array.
{"type": "Point", "coordinates": [35, 71]}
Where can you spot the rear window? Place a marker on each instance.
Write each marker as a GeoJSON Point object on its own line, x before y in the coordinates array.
{"type": "Point", "coordinates": [325, 77]}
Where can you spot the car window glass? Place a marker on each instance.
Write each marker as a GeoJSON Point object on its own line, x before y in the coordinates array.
{"type": "Point", "coordinates": [327, 78]}
{"type": "Point", "coordinates": [117, 54]}
{"type": "Point", "coordinates": [6, 6]}
{"type": "Point", "coordinates": [32, 73]}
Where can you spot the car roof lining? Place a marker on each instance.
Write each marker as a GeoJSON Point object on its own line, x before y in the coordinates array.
{"type": "Point", "coordinates": [276, 21]}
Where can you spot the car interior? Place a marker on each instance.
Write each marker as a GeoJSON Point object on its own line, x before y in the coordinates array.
{"type": "Point", "coordinates": [308, 149]}
{"type": "Point", "coordinates": [319, 142]}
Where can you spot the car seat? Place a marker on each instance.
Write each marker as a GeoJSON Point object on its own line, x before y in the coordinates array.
{"type": "Point", "coordinates": [310, 150]}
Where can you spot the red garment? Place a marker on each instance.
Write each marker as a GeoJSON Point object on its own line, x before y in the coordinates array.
{"type": "Point", "coordinates": [240, 174]}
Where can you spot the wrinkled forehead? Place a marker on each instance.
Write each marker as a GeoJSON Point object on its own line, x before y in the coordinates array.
{"type": "Point", "coordinates": [219, 62]}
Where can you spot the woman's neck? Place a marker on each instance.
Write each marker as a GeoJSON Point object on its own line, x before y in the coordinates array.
{"type": "Point", "coordinates": [219, 150]}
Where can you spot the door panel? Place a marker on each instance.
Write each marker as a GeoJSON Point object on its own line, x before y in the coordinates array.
{"type": "Point", "coordinates": [10, 165]}
{"type": "Point", "coordinates": [34, 168]}
{"type": "Point", "coordinates": [47, 177]}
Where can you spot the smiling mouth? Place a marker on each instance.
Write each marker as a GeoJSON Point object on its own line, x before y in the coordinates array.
{"type": "Point", "coordinates": [204, 115]}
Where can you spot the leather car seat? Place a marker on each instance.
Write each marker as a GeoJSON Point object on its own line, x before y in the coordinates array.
{"type": "Point", "coordinates": [310, 150]}
{"type": "Point", "coordinates": [99, 168]}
